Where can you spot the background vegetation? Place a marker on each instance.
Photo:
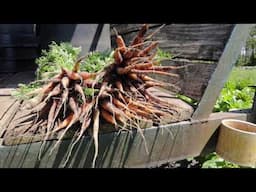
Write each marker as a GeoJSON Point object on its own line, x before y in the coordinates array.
{"type": "Point", "coordinates": [235, 95]}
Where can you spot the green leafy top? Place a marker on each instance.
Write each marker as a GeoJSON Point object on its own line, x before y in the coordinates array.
{"type": "Point", "coordinates": [58, 56]}
{"type": "Point", "coordinates": [51, 61]}
{"type": "Point", "coordinates": [163, 55]}
{"type": "Point", "coordinates": [24, 90]}
{"type": "Point", "coordinates": [96, 61]}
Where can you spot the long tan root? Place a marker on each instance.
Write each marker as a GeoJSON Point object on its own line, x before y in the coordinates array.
{"type": "Point", "coordinates": [96, 124]}
{"type": "Point", "coordinates": [122, 97]}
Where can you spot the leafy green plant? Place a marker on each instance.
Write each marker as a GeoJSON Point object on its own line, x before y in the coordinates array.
{"type": "Point", "coordinates": [212, 160]}
{"type": "Point", "coordinates": [90, 91]}
{"type": "Point", "coordinates": [163, 55]}
{"type": "Point", "coordinates": [249, 56]}
{"type": "Point", "coordinates": [188, 100]}
{"type": "Point", "coordinates": [59, 56]}
{"type": "Point", "coordinates": [22, 93]}
{"type": "Point", "coordinates": [50, 63]}
{"type": "Point", "coordinates": [96, 61]}
{"type": "Point", "coordinates": [236, 94]}
{"type": "Point", "coordinates": [64, 55]}
{"type": "Point", "coordinates": [232, 99]}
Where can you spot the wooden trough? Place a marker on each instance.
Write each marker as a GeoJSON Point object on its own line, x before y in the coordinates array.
{"type": "Point", "coordinates": [211, 48]}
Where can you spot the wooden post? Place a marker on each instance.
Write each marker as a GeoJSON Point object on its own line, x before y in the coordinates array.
{"type": "Point", "coordinates": [254, 105]}
{"type": "Point", "coordinates": [253, 111]}
{"type": "Point", "coordinates": [224, 67]}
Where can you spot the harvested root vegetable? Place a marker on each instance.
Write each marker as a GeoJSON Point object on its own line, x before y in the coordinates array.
{"type": "Point", "coordinates": [122, 98]}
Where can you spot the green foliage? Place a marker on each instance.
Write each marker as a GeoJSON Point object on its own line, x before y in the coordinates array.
{"type": "Point", "coordinates": [50, 63]}
{"type": "Point", "coordinates": [242, 77]}
{"type": "Point", "coordinates": [162, 55]}
{"type": "Point", "coordinates": [236, 94]}
{"type": "Point", "coordinates": [250, 58]}
{"type": "Point", "coordinates": [59, 56]}
{"type": "Point", "coordinates": [188, 100]}
{"type": "Point", "coordinates": [96, 61]}
{"type": "Point", "coordinates": [251, 41]}
{"type": "Point", "coordinates": [212, 160]}
{"type": "Point", "coordinates": [232, 99]}
{"type": "Point", "coordinates": [90, 91]}
{"type": "Point", "coordinates": [64, 55]}
{"type": "Point", "coordinates": [23, 91]}
{"type": "Point", "coordinates": [242, 60]}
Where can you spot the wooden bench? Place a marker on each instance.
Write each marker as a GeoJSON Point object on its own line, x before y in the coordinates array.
{"type": "Point", "coordinates": [211, 48]}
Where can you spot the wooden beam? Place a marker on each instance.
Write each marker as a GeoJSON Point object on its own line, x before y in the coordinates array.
{"type": "Point", "coordinates": [165, 144]}
{"type": "Point", "coordinates": [254, 106]}
{"type": "Point", "coordinates": [9, 114]}
{"type": "Point", "coordinates": [224, 67]}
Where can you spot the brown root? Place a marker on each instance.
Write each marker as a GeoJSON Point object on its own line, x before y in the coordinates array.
{"type": "Point", "coordinates": [122, 97]}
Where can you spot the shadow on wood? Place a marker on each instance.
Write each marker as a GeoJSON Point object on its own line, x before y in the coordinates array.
{"type": "Point", "coordinates": [165, 143]}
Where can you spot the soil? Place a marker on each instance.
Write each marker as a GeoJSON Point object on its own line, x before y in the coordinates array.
{"type": "Point", "coordinates": [182, 164]}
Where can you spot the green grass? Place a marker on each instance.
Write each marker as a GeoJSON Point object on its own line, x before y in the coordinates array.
{"type": "Point", "coordinates": [236, 94]}
{"type": "Point", "coordinates": [241, 77]}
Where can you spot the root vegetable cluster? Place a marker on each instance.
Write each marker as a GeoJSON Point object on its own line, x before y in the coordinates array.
{"type": "Point", "coordinates": [120, 94]}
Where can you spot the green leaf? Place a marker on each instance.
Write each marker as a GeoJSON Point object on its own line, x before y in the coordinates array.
{"type": "Point", "coordinates": [212, 160]}
{"type": "Point", "coordinates": [51, 61]}
{"type": "Point", "coordinates": [89, 92]}
{"type": "Point", "coordinates": [96, 61]}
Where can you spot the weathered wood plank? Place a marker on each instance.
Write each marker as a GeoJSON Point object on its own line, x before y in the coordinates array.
{"type": "Point", "coordinates": [18, 53]}
{"type": "Point", "coordinates": [13, 66]}
{"type": "Point", "coordinates": [166, 143]}
{"type": "Point", "coordinates": [224, 67]}
{"type": "Point", "coordinates": [3, 77]}
{"type": "Point", "coordinates": [9, 82]}
{"type": "Point", "coordinates": [128, 28]}
{"type": "Point", "coordinates": [183, 111]}
{"type": "Point", "coordinates": [18, 40]}
{"type": "Point", "coordinates": [194, 41]}
{"type": "Point", "coordinates": [18, 47]}
{"type": "Point", "coordinates": [6, 91]}
{"type": "Point", "coordinates": [192, 80]}
{"type": "Point", "coordinates": [8, 115]}
{"type": "Point", "coordinates": [5, 103]}
{"type": "Point", "coordinates": [8, 104]}
{"type": "Point", "coordinates": [20, 77]}
{"type": "Point", "coordinates": [17, 28]}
